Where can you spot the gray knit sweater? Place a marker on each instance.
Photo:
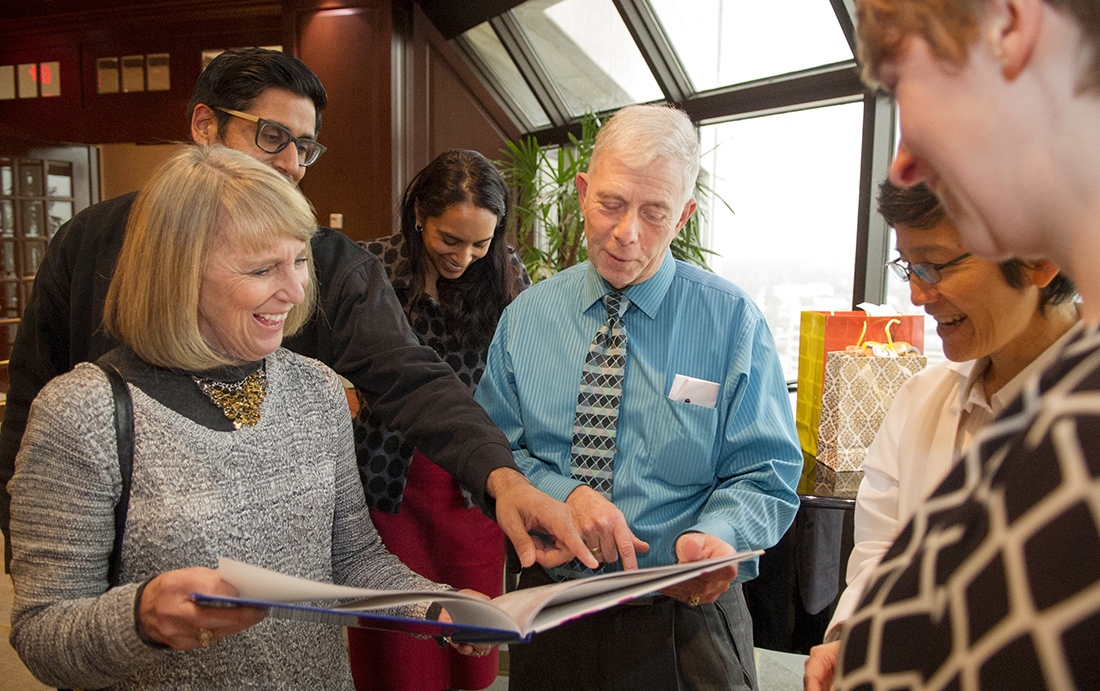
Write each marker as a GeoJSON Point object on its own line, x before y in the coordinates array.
{"type": "Point", "coordinates": [284, 495]}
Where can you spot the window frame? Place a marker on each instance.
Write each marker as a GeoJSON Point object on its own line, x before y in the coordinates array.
{"type": "Point", "coordinates": [815, 87]}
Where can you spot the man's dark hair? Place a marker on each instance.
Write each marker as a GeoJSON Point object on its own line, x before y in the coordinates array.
{"type": "Point", "coordinates": [237, 77]}
{"type": "Point", "coordinates": [919, 208]}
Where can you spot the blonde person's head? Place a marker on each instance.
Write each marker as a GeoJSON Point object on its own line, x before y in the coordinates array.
{"type": "Point", "coordinates": [950, 26]}
{"type": "Point", "coordinates": [194, 197]}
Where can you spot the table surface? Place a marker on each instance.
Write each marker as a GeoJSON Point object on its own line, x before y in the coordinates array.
{"type": "Point", "coordinates": [833, 489]}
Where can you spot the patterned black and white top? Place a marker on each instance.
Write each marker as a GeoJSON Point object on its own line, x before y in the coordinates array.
{"type": "Point", "coordinates": [384, 455]}
{"type": "Point", "coordinates": [995, 584]}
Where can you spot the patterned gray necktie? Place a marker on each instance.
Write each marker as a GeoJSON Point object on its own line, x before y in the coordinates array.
{"type": "Point", "coordinates": [601, 391]}
{"type": "Point", "coordinates": [597, 417]}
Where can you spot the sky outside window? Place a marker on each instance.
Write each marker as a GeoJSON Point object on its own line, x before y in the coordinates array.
{"type": "Point", "coordinates": [723, 42]}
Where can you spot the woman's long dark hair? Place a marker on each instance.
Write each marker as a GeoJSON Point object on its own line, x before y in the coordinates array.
{"type": "Point", "coordinates": [472, 303]}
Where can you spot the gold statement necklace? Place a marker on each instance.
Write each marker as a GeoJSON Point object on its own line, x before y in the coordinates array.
{"type": "Point", "coordinates": [240, 401]}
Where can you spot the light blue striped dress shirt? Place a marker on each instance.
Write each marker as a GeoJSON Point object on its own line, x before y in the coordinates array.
{"type": "Point", "coordinates": [729, 471]}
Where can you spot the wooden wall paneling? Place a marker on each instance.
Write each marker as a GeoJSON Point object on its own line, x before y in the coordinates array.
{"type": "Point", "coordinates": [125, 168]}
{"type": "Point", "coordinates": [450, 108]}
{"type": "Point", "coordinates": [485, 106]}
{"type": "Point", "coordinates": [36, 14]}
{"type": "Point", "coordinates": [452, 18]}
{"type": "Point", "coordinates": [349, 49]}
{"type": "Point", "coordinates": [78, 37]}
{"type": "Point", "coordinates": [457, 118]}
{"type": "Point", "coordinates": [155, 117]}
{"type": "Point", "coordinates": [24, 118]}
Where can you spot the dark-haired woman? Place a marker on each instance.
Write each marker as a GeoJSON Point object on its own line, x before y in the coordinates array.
{"type": "Point", "coordinates": [1000, 323]}
{"type": "Point", "coordinates": [454, 274]}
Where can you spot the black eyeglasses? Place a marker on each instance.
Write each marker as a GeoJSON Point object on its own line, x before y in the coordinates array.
{"type": "Point", "coordinates": [925, 271]}
{"type": "Point", "coordinates": [273, 138]}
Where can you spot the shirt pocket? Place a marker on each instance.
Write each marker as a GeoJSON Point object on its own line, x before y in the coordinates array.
{"type": "Point", "coordinates": [682, 443]}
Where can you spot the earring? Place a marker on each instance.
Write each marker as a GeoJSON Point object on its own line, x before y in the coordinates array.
{"type": "Point", "coordinates": [419, 228]}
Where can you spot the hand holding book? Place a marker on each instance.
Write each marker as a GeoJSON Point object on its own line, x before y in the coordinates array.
{"type": "Point", "coordinates": [695, 547]}
{"type": "Point", "coordinates": [471, 649]}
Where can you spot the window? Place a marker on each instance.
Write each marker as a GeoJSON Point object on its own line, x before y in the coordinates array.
{"type": "Point", "coordinates": [133, 73]}
{"type": "Point", "coordinates": [792, 181]}
{"type": "Point", "coordinates": [492, 54]}
{"type": "Point", "coordinates": [36, 197]}
{"type": "Point", "coordinates": [588, 52]}
{"type": "Point", "coordinates": [722, 42]}
{"type": "Point", "coordinates": [30, 80]}
{"type": "Point", "coordinates": [793, 141]}
{"type": "Point", "coordinates": [7, 82]}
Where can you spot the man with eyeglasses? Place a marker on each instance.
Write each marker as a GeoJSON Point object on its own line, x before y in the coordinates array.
{"type": "Point", "coordinates": [268, 105]}
{"type": "Point", "coordinates": [273, 138]}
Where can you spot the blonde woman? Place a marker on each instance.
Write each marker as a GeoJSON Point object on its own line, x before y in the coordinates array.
{"type": "Point", "coordinates": [241, 449]}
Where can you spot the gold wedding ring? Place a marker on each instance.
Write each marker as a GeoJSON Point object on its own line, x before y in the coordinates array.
{"type": "Point", "coordinates": [206, 638]}
{"type": "Point", "coordinates": [693, 601]}
{"type": "Point", "coordinates": [596, 551]}
{"type": "Point", "coordinates": [483, 653]}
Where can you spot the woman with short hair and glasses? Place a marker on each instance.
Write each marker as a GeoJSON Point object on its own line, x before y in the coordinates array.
{"type": "Point", "coordinates": [995, 583]}
{"type": "Point", "coordinates": [1000, 323]}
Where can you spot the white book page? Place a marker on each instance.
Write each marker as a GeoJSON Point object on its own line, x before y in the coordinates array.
{"type": "Point", "coordinates": [523, 611]}
{"type": "Point", "coordinates": [538, 609]}
{"type": "Point", "coordinates": [255, 583]}
{"type": "Point", "coordinates": [259, 584]}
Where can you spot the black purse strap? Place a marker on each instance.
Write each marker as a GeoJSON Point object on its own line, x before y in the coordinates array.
{"type": "Point", "coordinates": [124, 435]}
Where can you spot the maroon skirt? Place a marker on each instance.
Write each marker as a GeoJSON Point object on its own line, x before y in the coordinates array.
{"type": "Point", "coordinates": [439, 538]}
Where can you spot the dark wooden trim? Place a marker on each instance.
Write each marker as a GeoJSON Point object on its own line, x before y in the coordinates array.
{"type": "Point", "coordinates": [526, 59]}
{"type": "Point", "coordinates": [872, 232]}
{"type": "Point", "coordinates": [112, 21]}
{"type": "Point", "coordinates": [403, 104]}
{"type": "Point", "coordinates": [469, 54]}
{"type": "Point", "coordinates": [820, 86]}
{"type": "Point", "coordinates": [453, 17]}
{"type": "Point", "coordinates": [844, 10]}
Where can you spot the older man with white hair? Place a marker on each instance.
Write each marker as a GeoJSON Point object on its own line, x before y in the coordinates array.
{"type": "Point", "coordinates": [647, 394]}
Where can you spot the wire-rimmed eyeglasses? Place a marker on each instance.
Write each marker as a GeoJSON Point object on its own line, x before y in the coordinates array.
{"type": "Point", "coordinates": [273, 138]}
{"type": "Point", "coordinates": [925, 271]}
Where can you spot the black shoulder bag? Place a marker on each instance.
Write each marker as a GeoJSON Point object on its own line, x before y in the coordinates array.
{"type": "Point", "coordinates": [124, 434]}
{"type": "Point", "coordinates": [124, 437]}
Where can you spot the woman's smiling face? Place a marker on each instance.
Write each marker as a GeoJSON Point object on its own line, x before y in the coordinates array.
{"type": "Point", "coordinates": [457, 238]}
{"type": "Point", "coordinates": [978, 313]}
{"type": "Point", "coordinates": [246, 294]}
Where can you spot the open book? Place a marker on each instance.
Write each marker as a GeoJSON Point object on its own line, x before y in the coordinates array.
{"type": "Point", "coordinates": [512, 617]}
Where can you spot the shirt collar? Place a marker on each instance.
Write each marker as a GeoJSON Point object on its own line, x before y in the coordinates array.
{"type": "Point", "coordinates": [973, 394]}
{"type": "Point", "coordinates": [646, 296]}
